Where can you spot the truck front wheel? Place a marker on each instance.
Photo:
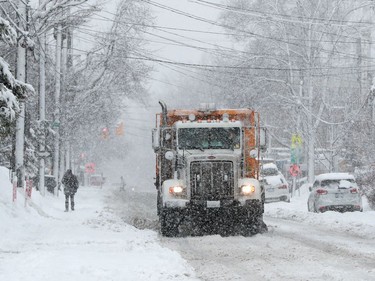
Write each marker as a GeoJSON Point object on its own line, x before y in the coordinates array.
{"type": "Point", "coordinates": [169, 223]}
{"type": "Point", "coordinates": [254, 225]}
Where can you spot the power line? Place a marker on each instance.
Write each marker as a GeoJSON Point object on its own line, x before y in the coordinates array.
{"type": "Point", "coordinates": [282, 17]}
{"type": "Point", "coordinates": [211, 67]}
{"type": "Point", "coordinates": [235, 29]}
{"type": "Point", "coordinates": [207, 50]}
{"type": "Point", "coordinates": [102, 18]}
{"type": "Point", "coordinates": [352, 56]}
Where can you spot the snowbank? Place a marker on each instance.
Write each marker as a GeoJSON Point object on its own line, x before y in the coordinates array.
{"type": "Point", "coordinates": [42, 242]}
{"type": "Point", "coordinates": [359, 223]}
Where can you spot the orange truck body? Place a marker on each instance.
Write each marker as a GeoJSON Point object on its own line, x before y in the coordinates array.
{"type": "Point", "coordinates": [251, 122]}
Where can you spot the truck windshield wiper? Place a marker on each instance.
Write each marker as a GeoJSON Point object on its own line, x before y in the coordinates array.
{"type": "Point", "coordinates": [200, 147]}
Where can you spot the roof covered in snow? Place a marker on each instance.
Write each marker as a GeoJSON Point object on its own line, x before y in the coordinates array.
{"type": "Point", "coordinates": [334, 176]}
{"type": "Point", "coordinates": [269, 166]}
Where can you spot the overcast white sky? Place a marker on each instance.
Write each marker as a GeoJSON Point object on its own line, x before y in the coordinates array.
{"type": "Point", "coordinates": [164, 78]}
{"type": "Point", "coordinates": [172, 51]}
{"type": "Point", "coordinates": [167, 18]}
{"type": "Point", "coordinates": [183, 54]}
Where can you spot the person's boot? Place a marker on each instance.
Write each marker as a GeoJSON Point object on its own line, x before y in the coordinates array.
{"type": "Point", "coordinates": [66, 207]}
{"type": "Point", "coordinates": [72, 207]}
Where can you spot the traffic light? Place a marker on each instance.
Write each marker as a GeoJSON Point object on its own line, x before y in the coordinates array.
{"type": "Point", "coordinates": [120, 129]}
{"type": "Point", "coordinates": [105, 133]}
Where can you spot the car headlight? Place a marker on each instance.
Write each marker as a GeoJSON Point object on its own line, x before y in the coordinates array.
{"type": "Point", "coordinates": [247, 189]}
{"type": "Point", "coordinates": [176, 190]}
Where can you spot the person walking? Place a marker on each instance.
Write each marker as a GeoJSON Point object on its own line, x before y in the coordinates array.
{"type": "Point", "coordinates": [122, 184]}
{"type": "Point", "coordinates": [70, 183]}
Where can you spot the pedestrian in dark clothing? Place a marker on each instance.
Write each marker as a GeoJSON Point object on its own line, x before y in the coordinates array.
{"type": "Point", "coordinates": [122, 184]}
{"type": "Point", "coordinates": [70, 183]}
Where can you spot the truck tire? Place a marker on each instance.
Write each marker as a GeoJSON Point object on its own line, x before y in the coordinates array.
{"type": "Point", "coordinates": [168, 223]}
{"type": "Point", "coordinates": [158, 204]}
{"type": "Point", "coordinates": [254, 225]}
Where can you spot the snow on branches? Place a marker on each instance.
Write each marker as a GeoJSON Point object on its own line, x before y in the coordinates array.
{"type": "Point", "coordinates": [7, 33]}
{"type": "Point", "coordinates": [11, 90]}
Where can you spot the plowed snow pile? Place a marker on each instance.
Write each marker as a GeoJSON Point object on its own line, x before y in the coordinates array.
{"type": "Point", "coordinates": [42, 242]}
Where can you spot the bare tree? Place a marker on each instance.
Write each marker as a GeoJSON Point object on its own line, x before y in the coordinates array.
{"type": "Point", "coordinates": [99, 84]}
{"type": "Point", "coordinates": [301, 59]}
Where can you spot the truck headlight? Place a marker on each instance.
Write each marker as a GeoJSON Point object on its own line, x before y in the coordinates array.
{"type": "Point", "coordinates": [176, 190]}
{"type": "Point", "coordinates": [247, 189]}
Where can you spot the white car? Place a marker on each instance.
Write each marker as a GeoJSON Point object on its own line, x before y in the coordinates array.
{"type": "Point", "coordinates": [275, 186]}
{"type": "Point", "coordinates": [334, 191]}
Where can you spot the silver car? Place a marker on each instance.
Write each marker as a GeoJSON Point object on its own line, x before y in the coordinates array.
{"type": "Point", "coordinates": [275, 186]}
{"type": "Point", "coordinates": [334, 191]}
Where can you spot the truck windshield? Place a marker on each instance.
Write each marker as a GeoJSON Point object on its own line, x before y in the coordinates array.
{"type": "Point", "coordinates": [209, 138]}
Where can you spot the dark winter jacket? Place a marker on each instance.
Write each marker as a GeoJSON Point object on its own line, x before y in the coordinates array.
{"type": "Point", "coordinates": [70, 183]}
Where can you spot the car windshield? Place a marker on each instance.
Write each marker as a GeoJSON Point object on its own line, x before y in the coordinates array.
{"type": "Point", "coordinates": [269, 172]}
{"type": "Point", "coordinates": [209, 138]}
{"type": "Point", "coordinates": [336, 183]}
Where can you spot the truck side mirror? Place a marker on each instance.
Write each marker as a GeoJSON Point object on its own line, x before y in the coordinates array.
{"type": "Point", "coordinates": [263, 139]}
{"type": "Point", "coordinates": [167, 137]}
{"type": "Point", "coordinates": [155, 140]}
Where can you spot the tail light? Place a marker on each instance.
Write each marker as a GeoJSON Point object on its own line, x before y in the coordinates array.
{"type": "Point", "coordinates": [322, 209]}
{"type": "Point", "coordinates": [284, 186]}
{"type": "Point", "coordinates": [354, 190]}
{"type": "Point", "coordinates": [321, 191]}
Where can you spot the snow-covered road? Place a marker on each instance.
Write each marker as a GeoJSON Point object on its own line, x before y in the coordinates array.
{"type": "Point", "coordinates": [298, 246]}
{"type": "Point", "coordinates": [290, 251]}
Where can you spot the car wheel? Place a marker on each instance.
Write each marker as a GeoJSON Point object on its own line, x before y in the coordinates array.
{"type": "Point", "coordinates": [315, 210]}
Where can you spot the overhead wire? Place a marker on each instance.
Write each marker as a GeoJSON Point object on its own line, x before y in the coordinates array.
{"type": "Point", "coordinates": [206, 50]}
{"type": "Point", "coordinates": [197, 65]}
{"type": "Point", "coordinates": [351, 55]}
{"type": "Point", "coordinates": [173, 10]}
{"type": "Point", "coordinates": [285, 16]}
{"type": "Point", "coordinates": [242, 67]}
{"type": "Point", "coordinates": [101, 17]}
{"type": "Point", "coordinates": [216, 67]}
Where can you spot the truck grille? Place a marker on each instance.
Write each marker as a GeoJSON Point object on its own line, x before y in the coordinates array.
{"type": "Point", "coordinates": [211, 180]}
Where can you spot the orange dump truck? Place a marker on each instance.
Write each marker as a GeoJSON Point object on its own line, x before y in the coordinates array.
{"type": "Point", "coordinates": [207, 171]}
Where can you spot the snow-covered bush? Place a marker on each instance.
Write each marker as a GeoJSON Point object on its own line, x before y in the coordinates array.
{"type": "Point", "coordinates": [11, 90]}
{"type": "Point", "coordinates": [366, 180]}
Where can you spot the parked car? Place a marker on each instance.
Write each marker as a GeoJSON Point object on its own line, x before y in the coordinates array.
{"type": "Point", "coordinates": [96, 180]}
{"type": "Point", "coordinates": [334, 191]}
{"type": "Point", "coordinates": [49, 183]}
{"type": "Point", "coordinates": [275, 186]}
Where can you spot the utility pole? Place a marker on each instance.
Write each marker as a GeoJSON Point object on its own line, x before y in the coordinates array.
{"type": "Point", "coordinates": [359, 64]}
{"type": "Point", "coordinates": [21, 76]}
{"type": "Point", "coordinates": [56, 122]}
{"type": "Point", "coordinates": [42, 110]}
{"type": "Point", "coordinates": [311, 134]}
{"type": "Point", "coordinates": [64, 63]}
{"type": "Point", "coordinates": [69, 68]}
{"type": "Point", "coordinates": [67, 63]}
{"type": "Point", "coordinates": [310, 121]}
